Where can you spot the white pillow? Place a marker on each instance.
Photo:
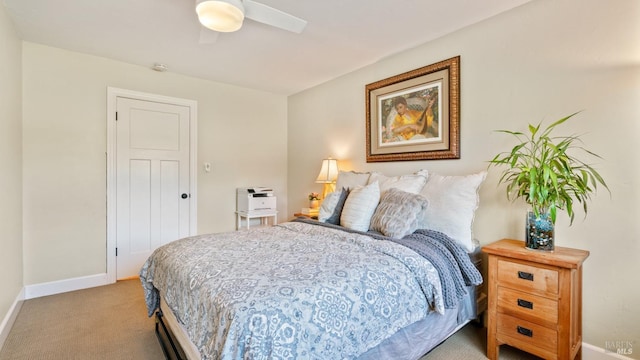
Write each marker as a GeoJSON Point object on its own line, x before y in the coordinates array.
{"type": "Point", "coordinates": [359, 207]}
{"type": "Point", "coordinates": [453, 201]}
{"type": "Point", "coordinates": [329, 205]}
{"type": "Point", "coordinates": [409, 183]}
{"type": "Point", "coordinates": [423, 172]}
{"type": "Point", "coordinates": [351, 179]}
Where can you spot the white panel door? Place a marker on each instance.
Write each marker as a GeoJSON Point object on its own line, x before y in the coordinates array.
{"type": "Point", "coordinates": [152, 186]}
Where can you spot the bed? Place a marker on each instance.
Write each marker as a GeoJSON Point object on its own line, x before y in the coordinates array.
{"type": "Point", "coordinates": [307, 289]}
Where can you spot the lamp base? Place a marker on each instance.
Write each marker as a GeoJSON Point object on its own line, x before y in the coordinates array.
{"type": "Point", "coordinates": [327, 189]}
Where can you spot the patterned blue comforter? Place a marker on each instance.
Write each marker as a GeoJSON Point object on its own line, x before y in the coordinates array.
{"type": "Point", "coordinates": [291, 291]}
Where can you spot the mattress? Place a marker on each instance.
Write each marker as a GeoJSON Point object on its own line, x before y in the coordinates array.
{"type": "Point", "coordinates": [409, 343]}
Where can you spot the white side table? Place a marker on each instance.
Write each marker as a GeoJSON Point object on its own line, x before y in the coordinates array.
{"type": "Point", "coordinates": [264, 216]}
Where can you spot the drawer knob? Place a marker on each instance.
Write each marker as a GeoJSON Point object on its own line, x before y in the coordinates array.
{"type": "Point", "coordinates": [525, 275]}
{"type": "Point", "coordinates": [525, 304]}
{"type": "Point", "coordinates": [524, 331]}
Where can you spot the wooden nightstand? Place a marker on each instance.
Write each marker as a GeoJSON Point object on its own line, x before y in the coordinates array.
{"type": "Point", "coordinates": [535, 300]}
{"type": "Point", "coordinates": [481, 295]}
{"type": "Point", "coordinates": [297, 215]}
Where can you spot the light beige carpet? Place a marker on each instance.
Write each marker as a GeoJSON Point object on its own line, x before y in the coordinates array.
{"type": "Point", "coordinates": [110, 322]}
{"type": "Point", "coordinates": [106, 322]}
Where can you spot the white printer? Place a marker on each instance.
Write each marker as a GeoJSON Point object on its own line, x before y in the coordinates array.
{"type": "Point", "coordinates": [256, 200]}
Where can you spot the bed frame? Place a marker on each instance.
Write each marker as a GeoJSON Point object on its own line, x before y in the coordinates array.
{"type": "Point", "coordinates": [172, 337]}
{"type": "Point", "coordinates": [170, 347]}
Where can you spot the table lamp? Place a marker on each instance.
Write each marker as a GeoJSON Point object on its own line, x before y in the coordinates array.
{"type": "Point", "coordinates": [328, 175]}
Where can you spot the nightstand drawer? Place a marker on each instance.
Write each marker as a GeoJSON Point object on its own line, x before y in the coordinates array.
{"type": "Point", "coordinates": [540, 310]}
{"type": "Point", "coordinates": [526, 335]}
{"type": "Point", "coordinates": [527, 278]}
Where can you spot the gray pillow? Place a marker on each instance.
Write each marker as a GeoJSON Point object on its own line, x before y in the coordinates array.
{"type": "Point", "coordinates": [335, 217]}
{"type": "Point", "coordinates": [399, 213]}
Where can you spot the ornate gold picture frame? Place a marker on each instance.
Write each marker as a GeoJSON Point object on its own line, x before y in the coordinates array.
{"type": "Point", "coordinates": [415, 115]}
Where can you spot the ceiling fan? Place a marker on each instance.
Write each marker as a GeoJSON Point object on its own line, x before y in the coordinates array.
{"type": "Point", "coordinates": [228, 16]}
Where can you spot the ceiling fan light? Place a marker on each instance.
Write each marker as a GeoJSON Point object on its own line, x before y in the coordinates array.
{"type": "Point", "coordinates": [220, 15]}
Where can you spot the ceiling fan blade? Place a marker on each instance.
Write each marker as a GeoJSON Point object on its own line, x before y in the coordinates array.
{"type": "Point", "coordinates": [274, 17]}
{"type": "Point", "coordinates": [207, 36]}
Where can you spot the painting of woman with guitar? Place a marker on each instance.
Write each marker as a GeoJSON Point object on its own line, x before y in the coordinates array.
{"type": "Point", "coordinates": [413, 116]}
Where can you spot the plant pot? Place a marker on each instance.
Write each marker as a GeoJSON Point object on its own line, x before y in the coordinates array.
{"type": "Point", "coordinates": [540, 232]}
{"type": "Point", "coordinates": [314, 204]}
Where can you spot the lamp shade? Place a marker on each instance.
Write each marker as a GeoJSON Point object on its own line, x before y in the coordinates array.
{"type": "Point", "coordinates": [328, 172]}
{"type": "Point", "coordinates": [220, 15]}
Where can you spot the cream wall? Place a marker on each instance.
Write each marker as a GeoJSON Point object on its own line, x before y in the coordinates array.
{"type": "Point", "coordinates": [541, 61]}
{"type": "Point", "coordinates": [242, 133]}
{"type": "Point", "coordinates": [10, 166]}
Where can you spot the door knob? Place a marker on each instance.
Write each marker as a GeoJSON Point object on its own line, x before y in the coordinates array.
{"type": "Point", "coordinates": [184, 196]}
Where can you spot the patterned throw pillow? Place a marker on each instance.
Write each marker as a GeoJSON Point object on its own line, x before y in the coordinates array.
{"type": "Point", "coordinates": [399, 213]}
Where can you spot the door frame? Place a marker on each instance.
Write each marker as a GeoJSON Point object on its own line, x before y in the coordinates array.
{"type": "Point", "coordinates": [112, 94]}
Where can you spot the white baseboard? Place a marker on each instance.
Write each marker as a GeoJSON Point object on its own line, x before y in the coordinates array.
{"type": "Point", "coordinates": [10, 318]}
{"type": "Point", "coordinates": [45, 289]}
{"type": "Point", "coordinates": [591, 352]}
{"type": "Point", "coordinates": [62, 286]}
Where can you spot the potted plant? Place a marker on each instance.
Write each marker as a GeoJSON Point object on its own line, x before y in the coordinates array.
{"type": "Point", "coordinates": [314, 200]}
{"type": "Point", "coordinates": [541, 170]}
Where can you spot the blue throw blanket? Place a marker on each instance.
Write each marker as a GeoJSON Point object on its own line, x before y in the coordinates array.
{"type": "Point", "coordinates": [452, 261]}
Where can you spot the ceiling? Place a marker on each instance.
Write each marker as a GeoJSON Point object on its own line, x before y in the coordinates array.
{"type": "Point", "coordinates": [341, 35]}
